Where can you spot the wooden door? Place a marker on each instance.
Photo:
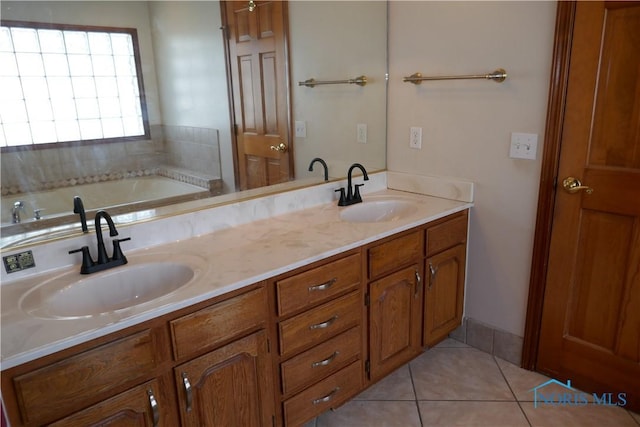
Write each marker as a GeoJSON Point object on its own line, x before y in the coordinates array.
{"type": "Point", "coordinates": [394, 320]}
{"type": "Point", "coordinates": [444, 294]}
{"type": "Point", "coordinates": [139, 407]}
{"type": "Point", "coordinates": [590, 329]}
{"type": "Point", "coordinates": [256, 38]}
{"type": "Point", "coordinates": [231, 386]}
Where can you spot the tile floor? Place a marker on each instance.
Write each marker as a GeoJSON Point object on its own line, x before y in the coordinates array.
{"type": "Point", "coordinates": [457, 385]}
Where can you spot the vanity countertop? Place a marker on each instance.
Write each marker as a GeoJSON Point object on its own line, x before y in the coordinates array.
{"type": "Point", "coordinates": [230, 259]}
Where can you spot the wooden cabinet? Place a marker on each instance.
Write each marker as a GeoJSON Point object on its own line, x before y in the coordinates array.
{"type": "Point", "coordinates": [395, 302]}
{"type": "Point", "coordinates": [58, 389]}
{"type": "Point", "coordinates": [230, 386]}
{"type": "Point", "coordinates": [275, 353]}
{"type": "Point", "coordinates": [137, 407]}
{"type": "Point", "coordinates": [445, 274]}
{"type": "Point", "coordinates": [211, 367]}
{"type": "Point", "coordinates": [320, 315]}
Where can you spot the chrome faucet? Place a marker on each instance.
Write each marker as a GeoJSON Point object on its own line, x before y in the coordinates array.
{"type": "Point", "coordinates": [15, 211]}
{"type": "Point", "coordinates": [353, 192]}
{"type": "Point", "coordinates": [103, 262]}
{"type": "Point", "coordinates": [324, 165]}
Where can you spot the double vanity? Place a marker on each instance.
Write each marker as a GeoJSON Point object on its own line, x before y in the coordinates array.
{"type": "Point", "coordinates": [267, 323]}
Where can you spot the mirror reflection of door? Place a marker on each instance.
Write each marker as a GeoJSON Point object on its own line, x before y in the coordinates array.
{"type": "Point", "coordinates": [256, 34]}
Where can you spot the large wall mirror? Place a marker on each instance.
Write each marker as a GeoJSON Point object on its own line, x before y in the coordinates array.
{"type": "Point", "coordinates": [188, 153]}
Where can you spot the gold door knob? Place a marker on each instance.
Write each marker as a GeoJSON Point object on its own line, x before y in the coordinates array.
{"type": "Point", "coordinates": [573, 185]}
{"type": "Point", "coordinates": [280, 147]}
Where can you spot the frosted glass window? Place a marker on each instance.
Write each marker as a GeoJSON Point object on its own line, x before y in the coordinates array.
{"type": "Point", "coordinates": [62, 83]}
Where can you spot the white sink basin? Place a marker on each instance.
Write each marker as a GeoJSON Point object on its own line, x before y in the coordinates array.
{"type": "Point", "coordinates": [378, 210]}
{"type": "Point", "coordinates": [72, 295]}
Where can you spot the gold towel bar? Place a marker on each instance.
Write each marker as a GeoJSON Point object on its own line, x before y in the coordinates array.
{"type": "Point", "coordinates": [497, 76]}
{"type": "Point", "coordinates": [360, 81]}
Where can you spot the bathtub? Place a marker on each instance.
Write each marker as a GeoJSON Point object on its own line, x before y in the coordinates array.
{"type": "Point", "coordinates": [113, 196]}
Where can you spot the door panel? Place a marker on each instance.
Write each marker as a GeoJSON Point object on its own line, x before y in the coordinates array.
{"type": "Point", "coordinates": [590, 331]}
{"type": "Point", "coordinates": [260, 86]}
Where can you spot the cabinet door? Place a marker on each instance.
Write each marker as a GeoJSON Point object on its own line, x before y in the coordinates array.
{"type": "Point", "coordinates": [137, 407]}
{"type": "Point", "coordinates": [395, 320]}
{"type": "Point", "coordinates": [444, 294]}
{"type": "Point", "coordinates": [231, 386]}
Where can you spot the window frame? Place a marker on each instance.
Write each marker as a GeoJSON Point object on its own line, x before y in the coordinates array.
{"type": "Point", "coordinates": [133, 32]}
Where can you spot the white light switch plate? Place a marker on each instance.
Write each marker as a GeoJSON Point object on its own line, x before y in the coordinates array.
{"type": "Point", "coordinates": [523, 146]}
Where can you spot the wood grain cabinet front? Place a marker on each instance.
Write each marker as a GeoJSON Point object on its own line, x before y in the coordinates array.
{"type": "Point", "coordinates": [230, 386]}
{"type": "Point", "coordinates": [53, 391]}
{"type": "Point", "coordinates": [445, 277]}
{"type": "Point", "coordinates": [394, 299]}
{"type": "Point", "coordinates": [320, 324]}
{"type": "Point", "coordinates": [221, 373]}
{"type": "Point", "coordinates": [140, 406]}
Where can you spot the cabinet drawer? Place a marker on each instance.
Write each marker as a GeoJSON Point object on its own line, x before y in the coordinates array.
{"type": "Point", "coordinates": [447, 234]}
{"type": "Point", "coordinates": [318, 284]}
{"type": "Point", "coordinates": [321, 360]}
{"type": "Point", "coordinates": [395, 253]}
{"type": "Point", "coordinates": [328, 393]}
{"type": "Point", "coordinates": [222, 321]}
{"type": "Point", "coordinates": [81, 380]}
{"type": "Point", "coordinates": [316, 325]}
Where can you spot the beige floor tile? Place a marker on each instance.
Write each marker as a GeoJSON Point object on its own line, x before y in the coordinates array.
{"type": "Point", "coordinates": [450, 414]}
{"type": "Point", "coordinates": [451, 343]}
{"type": "Point", "coordinates": [396, 386]}
{"type": "Point", "coordinates": [583, 416]}
{"type": "Point", "coordinates": [358, 413]}
{"type": "Point", "coordinates": [311, 423]}
{"type": "Point", "coordinates": [522, 382]}
{"type": "Point", "coordinates": [458, 374]}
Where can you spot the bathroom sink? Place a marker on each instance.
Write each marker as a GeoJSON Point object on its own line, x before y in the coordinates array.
{"type": "Point", "coordinates": [71, 295]}
{"type": "Point", "coordinates": [378, 210]}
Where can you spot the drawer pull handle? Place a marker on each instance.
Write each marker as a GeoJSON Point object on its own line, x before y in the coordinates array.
{"type": "Point", "coordinates": [155, 409]}
{"type": "Point", "coordinates": [418, 283]}
{"type": "Point", "coordinates": [432, 277]}
{"type": "Point", "coordinates": [324, 286]}
{"type": "Point", "coordinates": [187, 390]}
{"type": "Point", "coordinates": [326, 361]}
{"type": "Point", "coordinates": [327, 398]}
{"type": "Point", "coordinates": [324, 324]}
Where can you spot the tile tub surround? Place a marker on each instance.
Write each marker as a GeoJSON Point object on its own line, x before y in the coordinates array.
{"type": "Point", "coordinates": [443, 387]}
{"type": "Point", "coordinates": [273, 245]}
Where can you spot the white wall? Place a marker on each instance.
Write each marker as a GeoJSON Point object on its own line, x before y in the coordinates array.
{"type": "Point", "coordinates": [336, 40]}
{"type": "Point", "coordinates": [467, 126]}
{"type": "Point", "coordinates": [189, 51]}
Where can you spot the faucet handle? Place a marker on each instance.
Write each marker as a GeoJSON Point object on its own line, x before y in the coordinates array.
{"type": "Point", "coordinates": [87, 262]}
{"type": "Point", "coordinates": [342, 201]}
{"type": "Point", "coordinates": [356, 194]}
{"type": "Point", "coordinates": [117, 254]}
{"type": "Point", "coordinates": [37, 213]}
